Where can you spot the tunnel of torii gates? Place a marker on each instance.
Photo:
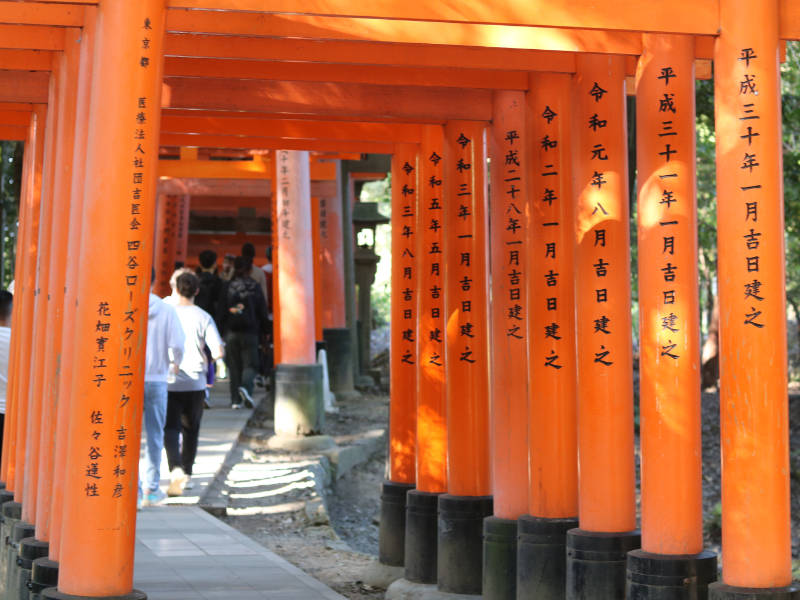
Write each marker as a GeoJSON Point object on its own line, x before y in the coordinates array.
{"type": "Point", "coordinates": [511, 464]}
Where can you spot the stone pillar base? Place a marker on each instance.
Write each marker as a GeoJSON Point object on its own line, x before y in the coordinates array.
{"type": "Point", "coordinates": [19, 532]}
{"type": "Point", "coordinates": [8, 516]}
{"type": "Point", "coordinates": [29, 550]}
{"type": "Point", "coordinates": [542, 557]}
{"type": "Point", "coordinates": [299, 397]}
{"type": "Point", "coordinates": [402, 589]}
{"type": "Point", "coordinates": [499, 559]}
{"type": "Point", "coordinates": [670, 577]}
{"type": "Point", "coordinates": [392, 533]}
{"type": "Point", "coordinates": [381, 576]}
{"type": "Point", "coordinates": [460, 546]}
{"type": "Point", "coordinates": [421, 537]}
{"type": "Point", "coordinates": [340, 361]}
{"type": "Point", "coordinates": [54, 594]}
{"type": "Point", "coordinates": [720, 591]}
{"type": "Point", "coordinates": [596, 563]}
{"type": "Point", "coordinates": [44, 574]}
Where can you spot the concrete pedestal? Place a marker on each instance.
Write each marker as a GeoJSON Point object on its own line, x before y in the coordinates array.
{"type": "Point", "coordinates": [460, 547]}
{"type": "Point", "coordinates": [402, 589]}
{"type": "Point", "coordinates": [29, 550]}
{"type": "Point", "coordinates": [670, 577]}
{"type": "Point", "coordinates": [299, 409]}
{"type": "Point", "coordinates": [421, 536]}
{"type": "Point", "coordinates": [19, 532]}
{"type": "Point", "coordinates": [54, 594]}
{"type": "Point", "coordinates": [499, 559]}
{"type": "Point", "coordinates": [596, 563]}
{"type": "Point", "coordinates": [542, 557]}
{"type": "Point", "coordinates": [6, 497]}
{"type": "Point", "coordinates": [340, 362]}
{"type": "Point", "coordinates": [44, 574]}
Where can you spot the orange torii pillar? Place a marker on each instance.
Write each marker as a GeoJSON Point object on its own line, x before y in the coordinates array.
{"type": "Point", "coordinates": [28, 460]}
{"type": "Point", "coordinates": [100, 483]}
{"type": "Point", "coordinates": [298, 379]}
{"type": "Point", "coordinates": [468, 500]}
{"type": "Point", "coordinates": [510, 212]}
{"type": "Point", "coordinates": [51, 289]}
{"type": "Point", "coordinates": [596, 551]}
{"type": "Point", "coordinates": [166, 237]}
{"type": "Point", "coordinates": [552, 408]}
{"type": "Point", "coordinates": [24, 272]}
{"type": "Point", "coordinates": [431, 438]}
{"type": "Point", "coordinates": [334, 325]}
{"type": "Point", "coordinates": [756, 543]}
{"type": "Point", "coordinates": [403, 355]}
{"type": "Point", "coordinates": [671, 563]}
{"type": "Point", "coordinates": [316, 249]}
{"type": "Point", "coordinates": [182, 206]}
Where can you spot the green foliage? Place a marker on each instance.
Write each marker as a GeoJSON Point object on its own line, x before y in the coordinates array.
{"type": "Point", "coordinates": [10, 179]}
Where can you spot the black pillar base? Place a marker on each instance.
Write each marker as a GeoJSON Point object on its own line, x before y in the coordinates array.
{"type": "Point", "coordinates": [299, 408]}
{"type": "Point", "coordinates": [421, 535]}
{"type": "Point", "coordinates": [340, 360]}
{"type": "Point", "coordinates": [6, 523]}
{"type": "Point", "coordinates": [392, 532]}
{"type": "Point", "coordinates": [44, 574]}
{"type": "Point", "coordinates": [20, 531]}
{"type": "Point", "coordinates": [460, 546]}
{"type": "Point", "coordinates": [542, 557]}
{"type": "Point", "coordinates": [596, 563]}
{"type": "Point", "coordinates": [499, 559]}
{"type": "Point", "coordinates": [29, 550]}
{"type": "Point", "coordinates": [54, 594]}
{"type": "Point", "coordinates": [720, 591]}
{"type": "Point", "coordinates": [670, 577]}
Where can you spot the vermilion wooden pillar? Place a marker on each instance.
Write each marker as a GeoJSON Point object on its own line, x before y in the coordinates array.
{"type": "Point", "coordinates": [431, 435]}
{"type": "Point", "coordinates": [672, 519]}
{"type": "Point", "coordinates": [552, 409]}
{"type": "Point", "coordinates": [166, 236]}
{"type": "Point", "coordinates": [182, 206]}
{"type": "Point", "coordinates": [298, 379]}
{"type": "Point", "coordinates": [98, 527]}
{"type": "Point", "coordinates": [67, 361]}
{"type": "Point", "coordinates": [316, 249]}
{"type": "Point", "coordinates": [607, 512]}
{"type": "Point", "coordinates": [509, 310]}
{"type": "Point", "coordinates": [756, 543]}
{"type": "Point", "coordinates": [403, 353]}
{"type": "Point", "coordinates": [468, 500]}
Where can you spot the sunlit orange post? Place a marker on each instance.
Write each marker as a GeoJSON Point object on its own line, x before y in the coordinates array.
{"type": "Point", "coordinates": [403, 353]}
{"type": "Point", "coordinates": [509, 218]}
{"type": "Point", "coordinates": [316, 250]}
{"type": "Point", "coordinates": [552, 363]}
{"type": "Point", "coordinates": [44, 569]}
{"type": "Point", "coordinates": [431, 436]}
{"type": "Point", "coordinates": [334, 324]}
{"type": "Point", "coordinates": [99, 516]}
{"type": "Point", "coordinates": [756, 542]}
{"type": "Point", "coordinates": [468, 500]}
{"type": "Point", "coordinates": [298, 379]}
{"type": "Point", "coordinates": [671, 560]}
{"type": "Point", "coordinates": [276, 305]}
{"type": "Point", "coordinates": [607, 513]}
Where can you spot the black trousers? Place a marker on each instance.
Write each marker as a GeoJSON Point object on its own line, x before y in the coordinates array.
{"type": "Point", "coordinates": [184, 413]}
{"type": "Point", "coordinates": [241, 356]}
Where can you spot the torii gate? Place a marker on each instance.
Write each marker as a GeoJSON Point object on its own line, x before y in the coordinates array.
{"type": "Point", "coordinates": [756, 544]}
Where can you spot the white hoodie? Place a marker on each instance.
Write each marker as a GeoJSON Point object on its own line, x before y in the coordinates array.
{"type": "Point", "coordinates": [165, 340]}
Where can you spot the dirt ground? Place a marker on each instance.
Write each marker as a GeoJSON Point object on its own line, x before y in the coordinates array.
{"type": "Point", "coordinates": [338, 553]}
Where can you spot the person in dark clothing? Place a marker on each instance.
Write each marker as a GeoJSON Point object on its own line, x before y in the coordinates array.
{"type": "Point", "coordinates": [210, 283]}
{"type": "Point", "coordinates": [242, 315]}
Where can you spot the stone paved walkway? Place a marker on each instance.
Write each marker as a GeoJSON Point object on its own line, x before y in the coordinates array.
{"type": "Point", "coordinates": [183, 553]}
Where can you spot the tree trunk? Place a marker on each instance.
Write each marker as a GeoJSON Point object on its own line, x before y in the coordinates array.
{"type": "Point", "coordinates": [709, 371]}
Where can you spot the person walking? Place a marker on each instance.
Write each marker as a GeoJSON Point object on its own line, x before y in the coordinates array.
{"type": "Point", "coordinates": [242, 314]}
{"type": "Point", "coordinates": [6, 301]}
{"type": "Point", "coordinates": [187, 392]}
{"type": "Point", "coordinates": [164, 353]}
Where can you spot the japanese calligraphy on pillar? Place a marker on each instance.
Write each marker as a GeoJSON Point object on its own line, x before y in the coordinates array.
{"type": "Point", "coordinates": [284, 185]}
{"type": "Point", "coordinates": [323, 218]}
{"type": "Point", "coordinates": [603, 308]}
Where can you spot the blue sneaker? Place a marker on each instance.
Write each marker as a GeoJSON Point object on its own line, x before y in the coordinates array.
{"type": "Point", "coordinates": [153, 498]}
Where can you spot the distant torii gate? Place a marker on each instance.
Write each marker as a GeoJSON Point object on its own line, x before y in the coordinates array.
{"type": "Point", "coordinates": [110, 95]}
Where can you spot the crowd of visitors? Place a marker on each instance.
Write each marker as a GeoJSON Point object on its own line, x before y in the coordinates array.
{"type": "Point", "coordinates": [211, 314]}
